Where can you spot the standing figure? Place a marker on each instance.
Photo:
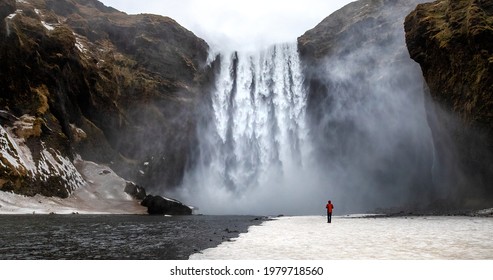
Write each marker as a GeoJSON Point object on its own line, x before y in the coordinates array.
{"type": "Point", "coordinates": [329, 207]}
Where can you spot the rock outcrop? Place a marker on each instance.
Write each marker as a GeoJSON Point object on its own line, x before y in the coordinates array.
{"type": "Point", "coordinates": [158, 205]}
{"type": "Point", "coordinates": [135, 191]}
{"type": "Point", "coordinates": [82, 78]}
{"type": "Point", "coordinates": [453, 43]}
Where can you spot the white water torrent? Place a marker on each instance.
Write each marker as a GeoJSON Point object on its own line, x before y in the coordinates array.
{"type": "Point", "coordinates": [253, 154]}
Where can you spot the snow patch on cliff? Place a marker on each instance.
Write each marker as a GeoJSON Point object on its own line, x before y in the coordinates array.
{"type": "Point", "coordinates": [16, 156]}
{"type": "Point", "coordinates": [48, 26]}
{"type": "Point", "coordinates": [11, 16]}
{"type": "Point", "coordinates": [9, 155]}
{"type": "Point", "coordinates": [103, 193]}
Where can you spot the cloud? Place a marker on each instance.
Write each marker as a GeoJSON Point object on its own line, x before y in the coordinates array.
{"type": "Point", "coordinates": [239, 25]}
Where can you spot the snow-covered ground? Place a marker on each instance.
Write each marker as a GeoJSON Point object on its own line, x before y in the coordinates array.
{"type": "Point", "coordinates": [103, 193]}
{"type": "Point", "coordinates": [401, 238]}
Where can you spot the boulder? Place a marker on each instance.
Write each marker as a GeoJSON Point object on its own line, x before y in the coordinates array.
{"type": "Point", "coordinates": [157, 205]}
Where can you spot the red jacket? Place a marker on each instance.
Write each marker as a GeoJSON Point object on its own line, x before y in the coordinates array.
{"type": "Point", "coordinates": [329, 207]}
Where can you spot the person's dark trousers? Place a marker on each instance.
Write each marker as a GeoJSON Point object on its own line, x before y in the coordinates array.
{"type": "Point", "coordinates": [329, 217]}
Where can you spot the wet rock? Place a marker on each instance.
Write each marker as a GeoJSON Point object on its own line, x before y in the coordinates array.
{"type": "Point", "coordinates": [157, 205]}
{"type": "Point", "coordinates": [135, 191]}
{"type": "Point", "coordinates": [230, 231]}
{"type": "Point", "coordinates": [7, 7]}
{"type": "Point", "coordinates": [78, 135]}
{"type": "Point", "coordinates": [105, 172]}
{"type": "Point", "coordinates": [7, 116]}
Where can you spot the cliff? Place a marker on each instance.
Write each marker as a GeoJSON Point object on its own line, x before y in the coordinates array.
{"type": "Point", "coordinates": [425, 133]}
{"type": "Point", "coordinates": [453, 43]}
{"type": "Point", "coordinates": [367, 108]}
{"type": "Point", "coordinates": [80, 78]}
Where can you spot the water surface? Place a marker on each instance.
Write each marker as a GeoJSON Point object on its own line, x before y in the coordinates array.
{"type": "Point", "coordinates": [114, 236]}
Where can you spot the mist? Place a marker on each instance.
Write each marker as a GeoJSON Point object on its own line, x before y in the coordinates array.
{"type": "Point", "coordinates": [254, 154]}
{"type": "Point", "coordinates": [238, 25]}
{"type": "Point", "coordinates": [370, 131]}
{"type": "Point", "coordinates": [360, 139]}
{"type": "Point", "coordinates": [365, 145]}
{"type": "Point", "coordinates": [279, 136]}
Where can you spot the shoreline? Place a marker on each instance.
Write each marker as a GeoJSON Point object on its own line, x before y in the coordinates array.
{"type": "Point", "coordinates": [88, 202]}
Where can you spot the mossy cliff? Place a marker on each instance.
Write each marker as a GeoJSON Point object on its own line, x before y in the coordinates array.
{"type": "Point", "coordinates": [113, 88]}
{"type": "Point", "coordinates": [453, 43]}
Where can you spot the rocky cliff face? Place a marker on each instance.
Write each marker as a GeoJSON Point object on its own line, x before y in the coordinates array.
{"type": "Point", "coordinates": [453, 43]}
{"type": "Point", "coordinates": [437, 150]}
{"type": "Point", "coordinates": [82, 78]}
{"type": "Point", "coordinates": [366, 106]}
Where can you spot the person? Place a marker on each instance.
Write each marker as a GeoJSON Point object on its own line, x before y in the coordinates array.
{"type": "Point", "coordinates": [329, 207]}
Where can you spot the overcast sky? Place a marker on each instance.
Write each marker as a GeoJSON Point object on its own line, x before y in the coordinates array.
{"type": "Point", "coordinates": [240, 25]}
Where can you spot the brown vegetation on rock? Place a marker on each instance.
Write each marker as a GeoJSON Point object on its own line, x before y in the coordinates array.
{"type": "Point", "coordinates": [453, 43]}
{"type": "Point", "coordinates": [114, 88]}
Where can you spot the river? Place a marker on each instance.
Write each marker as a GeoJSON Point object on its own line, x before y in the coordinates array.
{"type": "Point", "coordinates": [114, 237]}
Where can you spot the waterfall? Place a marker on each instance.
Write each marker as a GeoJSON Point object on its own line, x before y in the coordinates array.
{"type": "Point", "coordinates": [364, 143]}
{"type": "Point", "coordinates": [259, 109]}
{"type": "Point", "coordinates": [256, 141]}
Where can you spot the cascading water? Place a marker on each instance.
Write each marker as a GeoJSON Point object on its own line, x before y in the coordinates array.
{"type": "Point", "coordinates": [267, 147]}
{"type": "Point", "coordinates": [259, 109]}
{"type": "Point", "coordinates": [254, 151]}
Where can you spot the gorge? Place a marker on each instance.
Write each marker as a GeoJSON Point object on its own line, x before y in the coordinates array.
{"type": "Point", "coordinates": [344, 113]}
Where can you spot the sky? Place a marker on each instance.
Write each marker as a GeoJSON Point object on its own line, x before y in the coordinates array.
{"type": "Point", "coordinates": [238, 25]}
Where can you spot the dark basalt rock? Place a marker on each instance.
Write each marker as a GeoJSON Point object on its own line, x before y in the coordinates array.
{"type": "Point", "coordinates": [7, 7]}
{"type": "Point", "coordinates": [135, 191]}
{"type": "Point", "coordinates": [157, 205]}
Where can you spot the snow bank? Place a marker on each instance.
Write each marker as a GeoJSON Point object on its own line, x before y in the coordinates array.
{"type": "Point", "coordinates": [102, 194]}
{"type": "Point", "coordinates": [312, 238]}
{"type": "Point", "coordinates": [17, 204]}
